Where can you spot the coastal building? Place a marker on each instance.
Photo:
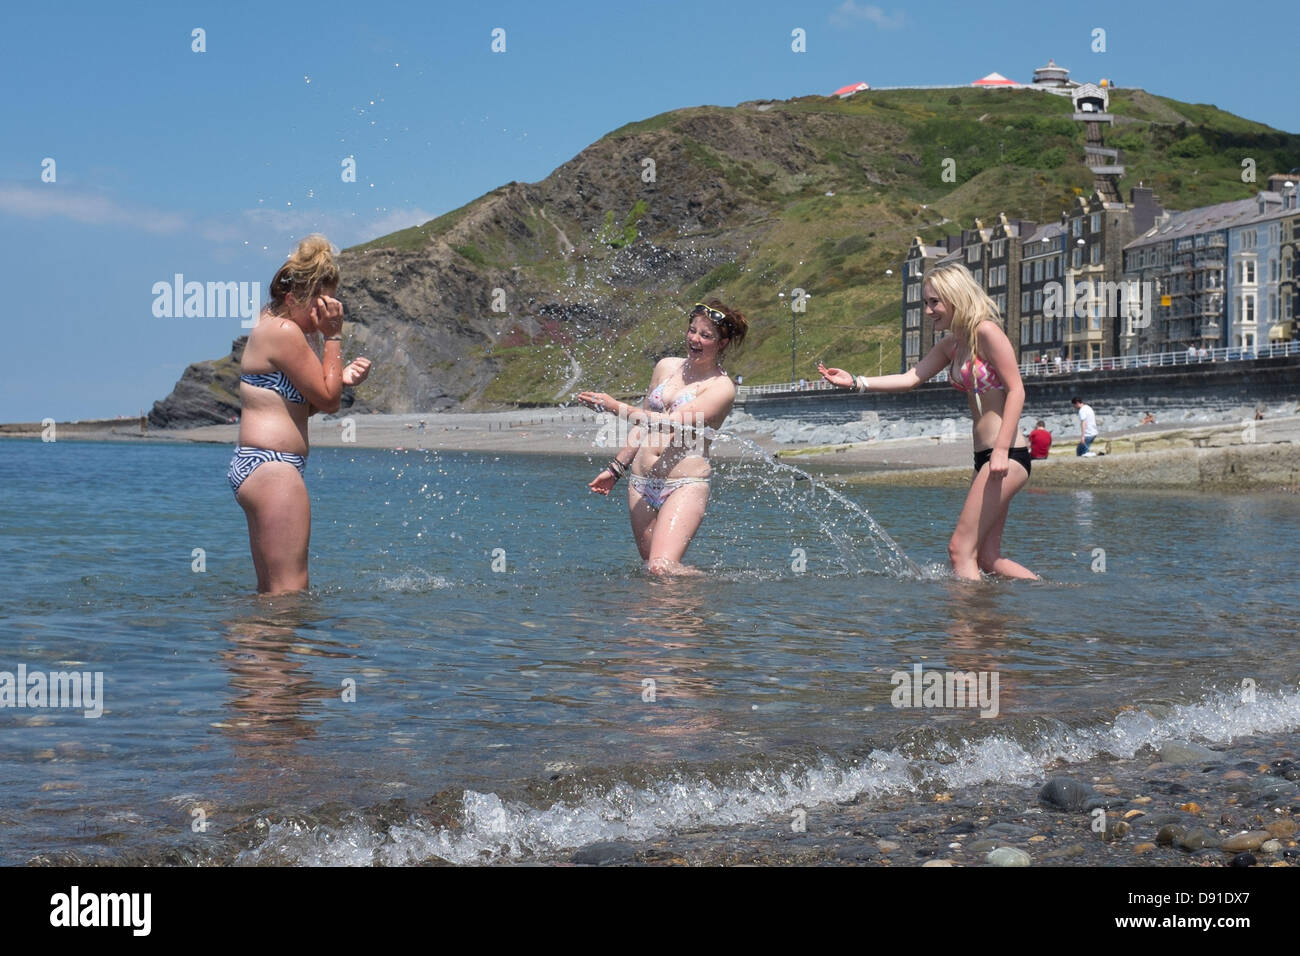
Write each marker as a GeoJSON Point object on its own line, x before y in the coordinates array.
{"type": "Point", "coordinates": [1042, 267]}
{"type": "Point", "coordinates": [1097, 230]}
{"type": "Point", "coordinates": [1256, 310]}
{"type": "Point", "coordinates": [1052, 77]}
{"type": "Point", "coordinates": [1002, 276]}
{"type": "Point", "coordinates": [918, 328]}
{"type": "Point", "coordinates": [1183, 260]}
{"type": "Point", "coordinates": [1289, 255]}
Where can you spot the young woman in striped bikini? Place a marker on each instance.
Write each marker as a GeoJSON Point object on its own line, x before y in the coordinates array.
{"type": "Point", "coordinates": [282, 385]}
{"type": "Point", "coordinates": [668, 484]}
{"type": "Point", "coordinates": [981, 363]}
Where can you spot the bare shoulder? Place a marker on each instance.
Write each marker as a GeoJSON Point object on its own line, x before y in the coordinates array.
{"type": "Point", "coordinates": [665, 367]}
{"type": "Point", "coordinates": [991, 334]}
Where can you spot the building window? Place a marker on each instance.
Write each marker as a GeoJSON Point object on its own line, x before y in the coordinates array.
{"type": "Point", "coordinates": [1038, 270]}
{"type": "Point", "coordinates": [979, 276]}
{"type": "Point", "coordinates": [1024, 271]}
{"type": "Point", "coordinates": [1250, 271]}
{"type": "Point", "coordinates": [1024, 333]}
{"type": "Point", "coordinates": [1096, 222]}
{"type": "Point", "coordinates": [1249, 315]}
{"type": "Point", "coordinates": [1024, 302]}
{"type": "Point", "coordinates": [1051, 269]}
{"type": "Point", "coordinates": [973, 254]}
{"type": "Point", "coordinates": [1094, 254]}
{"type": "Point", "coordinates": [1038, 299]}
{"type": "Point", "coordinates": [1038, 330]}
{"type": "Point", "coordinates": [1076, 258]}
{"type": "Point", "coordinates": [1076, 227]}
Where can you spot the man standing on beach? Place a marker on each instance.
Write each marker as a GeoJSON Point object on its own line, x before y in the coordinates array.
{"type": "Point", "coordinates": [1087, 428]}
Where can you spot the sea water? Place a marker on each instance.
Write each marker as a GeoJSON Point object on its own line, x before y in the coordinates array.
{"type": "Point", "coordinates": [483, 672]}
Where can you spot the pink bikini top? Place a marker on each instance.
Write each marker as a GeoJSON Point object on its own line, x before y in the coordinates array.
{"type": "Point", "coordinates": [976, 376]}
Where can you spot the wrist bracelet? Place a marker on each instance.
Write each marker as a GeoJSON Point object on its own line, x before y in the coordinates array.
{"type": "Point", "coordinates": [334, 338]}
{"type": "Point", "coordinates": [861, 383]}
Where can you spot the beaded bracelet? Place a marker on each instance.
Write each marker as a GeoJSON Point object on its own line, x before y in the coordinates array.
{"type": "Point", "coordinates": [861, 383]}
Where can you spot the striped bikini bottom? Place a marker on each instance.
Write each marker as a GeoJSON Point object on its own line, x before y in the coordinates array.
{"type": "Point", "coordinates": [656, 491]}
{"type": "Point", "coordinates": [247, 460]}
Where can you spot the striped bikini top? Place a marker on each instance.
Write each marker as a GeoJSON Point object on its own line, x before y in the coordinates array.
{"type": "Point", "coordinates": [276, 381]}
{"type": "Point", "coordinates": [976, 376]}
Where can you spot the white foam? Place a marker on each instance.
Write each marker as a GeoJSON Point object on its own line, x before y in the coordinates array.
{"type": "Point", "coordinates": [494, 829]}
{"type": "Point", "coordinates": [415, 582]}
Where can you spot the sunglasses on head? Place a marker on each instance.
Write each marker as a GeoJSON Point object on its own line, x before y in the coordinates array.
{"type": "Point", "coordinates": [702, 309]}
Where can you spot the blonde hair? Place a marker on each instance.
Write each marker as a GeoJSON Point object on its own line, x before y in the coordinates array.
{"type": "Point", "coordinates": [309, 269]}
{"type": "Point", "coordinates": [969, 303]}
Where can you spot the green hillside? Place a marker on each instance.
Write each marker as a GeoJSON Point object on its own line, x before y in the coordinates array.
{"type": "Point", "coordinates": [816, 193]}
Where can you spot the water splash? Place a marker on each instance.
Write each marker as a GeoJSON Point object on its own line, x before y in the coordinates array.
{"type": "Point", "coordinates": [838, 517]}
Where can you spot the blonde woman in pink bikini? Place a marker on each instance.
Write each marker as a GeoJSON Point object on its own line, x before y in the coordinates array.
{"type": "Point", "coordinates": [666, 460]}
{"type": "Point", "coordinates": [981, 363]}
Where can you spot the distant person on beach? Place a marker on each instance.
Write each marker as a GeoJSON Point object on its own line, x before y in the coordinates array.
{"type": "Point", "coordinates": [1040, 441]}
{"type": "Point", "coordinates": [665, 457]}
{"type": "Point", "coordinates": [1191, 354]}
{"type": "Point", "coordinates": [1148, 419]}
{"type": "Point", "coordinates": [282, 384]}
{"type": "Point", "coordinates": [982, 363]}
{"type": "Point", "coordinates": [1087, 428]}
{"type": "Point", "coordinates": [1056, 361]}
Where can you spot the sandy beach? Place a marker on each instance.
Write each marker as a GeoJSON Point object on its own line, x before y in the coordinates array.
{"type": "Point", "coordinates": [1259, 456]}
{"type": "Point", "coordinates": [1229, 456]}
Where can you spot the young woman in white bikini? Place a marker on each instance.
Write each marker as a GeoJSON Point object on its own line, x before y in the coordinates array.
{"type": "Point", "coordinates": [668, 485]}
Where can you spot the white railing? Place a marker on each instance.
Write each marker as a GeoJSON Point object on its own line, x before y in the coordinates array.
{"type": "Point", "coordinates": [1043, 369]}
{"type": "Point", "coordinates": [1158, 359]}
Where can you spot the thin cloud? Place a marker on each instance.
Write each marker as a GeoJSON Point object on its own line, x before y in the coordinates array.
{"type": "Point", "coordinates": [261, 225]}
{"type": "Point", "coordinates": [59, 202]}
{"type": "Point", "coordinates": [848, 13]}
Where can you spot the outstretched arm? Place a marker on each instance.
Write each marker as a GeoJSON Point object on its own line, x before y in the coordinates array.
{"type": "Point", "coordinates": [923, 371]}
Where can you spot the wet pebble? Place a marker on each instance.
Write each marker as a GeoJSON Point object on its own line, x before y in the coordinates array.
{"type": "Point", "coordinates": [937, 863]}
{"type": "Point", "coordinates": [1066, 793]}
{"type": "Point", "coordinates": [604, 854]}
{"type": "Point", "coordinates": [1244, 841]}
{"type": "Point", "coordinates": [1197, 838]}
{"type": "Point", "coordinates": [1170, 834]}
{"type": "Point", "coordinates": [1271, 846]}
{"type": "Point", "coordinates": [1011, 830]}
{"type": "Point", "coordinates": [1242, 859]}
{"type": "Point", "coordinates": [1116, 831]}
{"type": "Point", "coordinates": [1008, 856]}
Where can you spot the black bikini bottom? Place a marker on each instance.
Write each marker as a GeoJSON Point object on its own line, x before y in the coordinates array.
{"type": "Point", "coordinates": [1015, 454]}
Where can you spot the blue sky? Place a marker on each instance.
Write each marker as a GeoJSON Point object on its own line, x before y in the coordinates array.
{"type": "Point", "coordinates": [211, 164]}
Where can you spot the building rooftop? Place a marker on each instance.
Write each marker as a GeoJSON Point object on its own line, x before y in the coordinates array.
{"type": "Point", "coordinates": [1050, 231]}
{"type": "Point", "coordinates": [1202, 219]}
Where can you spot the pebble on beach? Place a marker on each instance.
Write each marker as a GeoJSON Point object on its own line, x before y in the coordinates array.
{"type": "Point", "coordinates": [1008, 856]}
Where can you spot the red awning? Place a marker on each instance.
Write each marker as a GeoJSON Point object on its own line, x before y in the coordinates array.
{"type": "Point", "coordinates": [851, 89]}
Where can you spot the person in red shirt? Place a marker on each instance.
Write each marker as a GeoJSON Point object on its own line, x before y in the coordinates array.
{"type": "Point", "coordinates": [1040, 440]}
